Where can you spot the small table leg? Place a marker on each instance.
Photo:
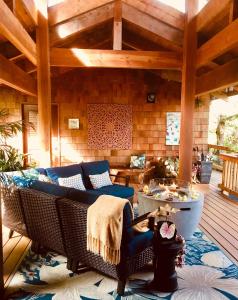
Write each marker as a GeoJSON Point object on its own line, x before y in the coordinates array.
{"type": "Point", "coordinates": [165, 276]}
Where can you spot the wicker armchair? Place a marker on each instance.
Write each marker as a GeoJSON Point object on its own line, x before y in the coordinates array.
{"type": "Point", "coordinates": [42, 221]}
{"type": "Point", "coordinates": [12, 211]}
{"type": "Point", "coordinates": [73, 216]}
{"type": "Point", "coordinates": [59, 224]}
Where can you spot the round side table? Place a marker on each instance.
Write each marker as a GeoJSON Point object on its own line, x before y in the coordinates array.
{"type": "Point", "coordinates": [186, 221]}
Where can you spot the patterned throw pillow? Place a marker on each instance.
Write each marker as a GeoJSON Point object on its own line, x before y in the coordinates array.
{"type": "Point", "coordinates": [75, 181]}
{"type": "Point", "coordinates": [100, 180]}
{"type": "Point", "coordinates": [44, 178]}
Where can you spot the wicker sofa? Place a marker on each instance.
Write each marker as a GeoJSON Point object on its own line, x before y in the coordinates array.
{"type": "Point", "coordinates": [86, 169]}
{"type": "Point", "coordinates": [12, 216]}
{"type": "Point", "coordinates": [55, 218]}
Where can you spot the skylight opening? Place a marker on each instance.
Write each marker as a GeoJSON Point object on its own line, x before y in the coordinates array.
{"type": "Point", "coordinates": [54, 2]}
{"type": "Point", "coordinates": [180, 4]}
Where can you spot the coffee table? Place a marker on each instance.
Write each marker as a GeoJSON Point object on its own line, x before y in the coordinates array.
{"type": "Point", "coordinates": [186, 221]}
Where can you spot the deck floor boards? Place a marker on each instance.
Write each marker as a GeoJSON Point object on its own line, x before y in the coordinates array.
{"type": "Point", "coordinates": [219, 221]}
{"type": "Point", "coordinates": [220, 218]}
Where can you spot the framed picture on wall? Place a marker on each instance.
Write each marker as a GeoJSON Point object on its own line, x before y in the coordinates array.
{"type": "Point", "coordinates": [173, 128]}
{"type": "Point", "coordinates": [137, 161]}
{"type": "Point", "coordinates": [73, 123]}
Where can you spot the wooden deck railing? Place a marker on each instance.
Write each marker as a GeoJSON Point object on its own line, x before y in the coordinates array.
{"type": "Point", "coordinates": [219, 147]}
{"type": "Point", "coordinates": [230, 174]}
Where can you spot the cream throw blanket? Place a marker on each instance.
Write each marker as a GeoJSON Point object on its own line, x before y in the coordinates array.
{"type": "Point", "coordinates": [104, 227]}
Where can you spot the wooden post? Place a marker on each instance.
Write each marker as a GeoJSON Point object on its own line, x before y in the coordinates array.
{"type": "Point", "coordinates": [1, 245]}
{"type": "Point", "coordinates": [117, 26]}
{"type": "Point", "coordinates": [44, 84]}
{"type": "Point", "coordinates": [188, 91]}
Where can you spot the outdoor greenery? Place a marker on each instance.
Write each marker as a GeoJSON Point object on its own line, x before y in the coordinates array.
{"type": "Point", "coordinates": [10, 158]}
{"type": "Point", "coordinates": [227, 131]}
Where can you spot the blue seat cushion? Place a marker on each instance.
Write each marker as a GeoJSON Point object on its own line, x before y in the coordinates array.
{"type": "Point", "coordinates": [116, 190]}
{"type": "Point", "coordinates": [67, 171]}
{"type": "Point", "coordinates": [50, 188]}
{"type": "Point", "coordinates": [139, 242]}
{"type": "Point", "coordinates": [93, 168]}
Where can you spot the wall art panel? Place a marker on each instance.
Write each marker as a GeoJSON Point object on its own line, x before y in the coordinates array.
{"type": "Point", "coordinates": [109, 126]}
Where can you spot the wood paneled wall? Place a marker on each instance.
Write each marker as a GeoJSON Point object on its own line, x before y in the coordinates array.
{"type": "Point", "coordinates": [74, 90]}
{"type": "Point", "coordinates": [12, 100]}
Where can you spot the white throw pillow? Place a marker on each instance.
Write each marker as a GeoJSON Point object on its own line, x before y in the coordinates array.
{"type": "Point", "coordinates": [100, 180]}
{"type": "Point", "coordinates": [75, 181]}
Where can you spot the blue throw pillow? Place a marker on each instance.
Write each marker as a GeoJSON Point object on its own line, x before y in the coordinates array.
{"type": "Point", "coordinates": [22, 181]}
{"type": "Point", "coordinates": [67, 171]}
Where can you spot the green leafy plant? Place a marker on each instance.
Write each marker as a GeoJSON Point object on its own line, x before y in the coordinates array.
{"type": "Point", "coordinates": [10, 158]}
{"type": "Point", "coordinates": [166, 167]}
{"type": "Point", "coordinates": [226, 131]}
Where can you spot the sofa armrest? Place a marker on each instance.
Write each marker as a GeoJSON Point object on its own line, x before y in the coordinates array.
{"type": "Point", "coordinates": [126, 177]}
{"type": "Point", "coordinates": [142, 218]}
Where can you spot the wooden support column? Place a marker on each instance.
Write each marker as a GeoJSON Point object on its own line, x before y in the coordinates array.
{"type": "Point", "coordinates": [117, 26]}
{"type": "Point", "coordinates": [188, 91]}
{"type": "Point", "coordinates": [44, 84]}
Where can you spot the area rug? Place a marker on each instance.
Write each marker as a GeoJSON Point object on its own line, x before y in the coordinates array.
{"type": "Point", "coordinates": [207, 275]}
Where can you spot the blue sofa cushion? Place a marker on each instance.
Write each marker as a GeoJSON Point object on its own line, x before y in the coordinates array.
{"type": "Point", "coordinates": [87, 197]}
{"type": "Point", "coordinates": [92, 168]}
{"type": "Point", "coordinates": [139, 242]}
{"type": "Point", "coordinates": [67, 171]}
{"type": "Point", "coordinates": [116, 190]}
{"type": "Point", "coordinates": [50, 188]}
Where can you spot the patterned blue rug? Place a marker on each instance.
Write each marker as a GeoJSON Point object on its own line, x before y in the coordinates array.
{"type": "Point", "coordinates": [207, 275]}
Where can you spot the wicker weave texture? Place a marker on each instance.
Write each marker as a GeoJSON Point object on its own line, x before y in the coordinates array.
{"type": "Point", "coordinates": [73, 217]}
{"type": "Point", "coordinates": [41, 217]}
{"type": "Point", "coordinates": [12, 210]}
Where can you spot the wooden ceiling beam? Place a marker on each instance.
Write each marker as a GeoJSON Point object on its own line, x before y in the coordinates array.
{"type": "Point", "coordinates": [221, 43]}
{"type": "Point", "coordinates": [233, 11]}
{"type": "Point", "coordinates": [219, 78]}
{"type": "Point", "coordinates": [26, 12]}
{"type": "Point", "coordinates": [117, 25]}
{"type": "Point", "coordinates": [69, 9]}
{"type": "Point", "coordinates": [150, 37]}
{"type": "Point", "coordinates": [209, 12]}
{"type": "Point", "coordinates": [159, 11]}
{"type": "Point", "coordinates": [115, 59]}
{"type": "Point", "coordinates": [62, 32]}
{"type": "Point", "coordinates": [13, 30]}
{"type": "Point", "coordinates": [153, 25]}
{"type": "Point", "coordinates": [17, 58]}
{"type": "Point", "coordinates": [13, 76]}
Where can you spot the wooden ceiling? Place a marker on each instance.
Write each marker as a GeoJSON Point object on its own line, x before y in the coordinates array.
{"type": "Point", "coordinates": [143, 34]}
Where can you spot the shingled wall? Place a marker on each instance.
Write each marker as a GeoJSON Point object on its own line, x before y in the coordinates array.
{"type": "Point", "coordinates": [74, 90]}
